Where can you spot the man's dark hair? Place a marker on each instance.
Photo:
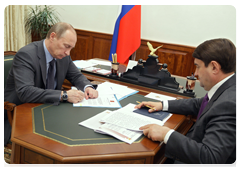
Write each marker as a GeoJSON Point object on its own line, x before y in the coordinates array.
{"type": "Point", "coordinates": [221, 50]}
{"type": "Point", "coordinates": [60, 28]}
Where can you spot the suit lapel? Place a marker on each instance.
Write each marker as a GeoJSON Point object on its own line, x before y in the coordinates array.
{"type": "Point", "coordinates": [231, 81]}
{"type": "Point", "coordinates": [42, 61]}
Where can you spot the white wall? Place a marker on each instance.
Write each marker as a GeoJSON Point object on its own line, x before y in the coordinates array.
{"type": "Point", "coordinates": [177, 24]}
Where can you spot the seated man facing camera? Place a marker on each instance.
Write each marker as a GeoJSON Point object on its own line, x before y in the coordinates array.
{"type": "Point", "coordinates": [39, 69]}
{"type": "Point", "coordinates": [212, 139]}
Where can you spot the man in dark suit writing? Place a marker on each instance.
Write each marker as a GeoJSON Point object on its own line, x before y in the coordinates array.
{"type": "Point", "coordinates": [212, 139]}
{"type": "Point", "coordinates": [39, 69]}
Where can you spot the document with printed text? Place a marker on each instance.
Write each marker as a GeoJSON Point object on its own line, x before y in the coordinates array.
{"type": "Point", "coordinates": [126, 118]}
{"type": "Point", "coordinates": [109, 101]}
{"type": "Point", "coordinates": [120, 133]}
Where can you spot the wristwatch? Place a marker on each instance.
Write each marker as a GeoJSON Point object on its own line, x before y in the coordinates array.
{"type": "Point", "coordinates": [64, 96]}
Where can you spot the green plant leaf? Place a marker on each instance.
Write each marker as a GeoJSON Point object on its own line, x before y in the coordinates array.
{"type": "Point", "coordinates": [40, 19]}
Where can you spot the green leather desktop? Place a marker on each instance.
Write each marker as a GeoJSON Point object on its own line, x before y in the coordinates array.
{"type": "Point", "coordinates": [60, 123]}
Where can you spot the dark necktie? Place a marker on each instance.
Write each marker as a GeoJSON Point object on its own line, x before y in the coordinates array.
{"type": "Point", "coordinates": [203, 105]}
{"type": "Point", "coordinates": [51, 75]}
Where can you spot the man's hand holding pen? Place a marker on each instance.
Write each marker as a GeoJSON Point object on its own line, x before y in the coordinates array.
{"type": "Point", "coordinates": [90, 93]}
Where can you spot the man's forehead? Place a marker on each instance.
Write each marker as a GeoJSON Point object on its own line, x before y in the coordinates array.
{"type": "Point", "coordinates": [69, 38]}
{"type": "Point", "coordinates": [197, 61]}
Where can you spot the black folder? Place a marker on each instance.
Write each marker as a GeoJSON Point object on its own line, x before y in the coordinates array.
{"type": "Point", "coordinates": [160, 115]}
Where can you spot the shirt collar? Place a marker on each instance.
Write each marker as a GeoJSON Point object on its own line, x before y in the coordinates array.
{"type": "Point", "coordinates": [216, 86]}
{"type": "Point", "coordinates": [48, 55]}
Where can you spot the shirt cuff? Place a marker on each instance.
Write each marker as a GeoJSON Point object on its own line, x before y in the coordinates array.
{"type": "Point", "coordinates": [167, 136]}
{"type": "Point", "coordinates": [165, 105]}
{"type": "Point", "coordinates": [88, 86]}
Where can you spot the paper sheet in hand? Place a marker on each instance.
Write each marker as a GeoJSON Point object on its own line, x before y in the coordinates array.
{"type": "Point", "coordinates": [160, 115]}
{"type": "Point", "coordinates": [126, 118]}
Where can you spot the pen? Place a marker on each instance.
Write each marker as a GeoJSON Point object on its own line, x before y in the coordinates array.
{"type": "Point", "coordinates": [147, 106]}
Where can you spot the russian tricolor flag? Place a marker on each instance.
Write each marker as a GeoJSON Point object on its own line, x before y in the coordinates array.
{"type": "Point", "coordinates": [127, 33]}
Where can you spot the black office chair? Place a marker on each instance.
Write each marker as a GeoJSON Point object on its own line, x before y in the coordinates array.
{"type": "Point", "coordinates": [8, 58]}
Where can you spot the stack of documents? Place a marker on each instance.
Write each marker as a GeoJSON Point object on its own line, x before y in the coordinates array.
{"type": "Point", "coordinates": [122, 124]}
{"type": "Point", "coordinates": [83, 64]}
{"type": "Point", "coordinates": [106, 98]}
{"type": "Point", "coordinates": [90, 65]}
{"type": "Point", "coordinates": [109, 95]}
{"type": "Point", "coordinates": [120, 91]}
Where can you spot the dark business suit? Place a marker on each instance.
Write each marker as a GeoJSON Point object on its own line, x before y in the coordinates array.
{"type": "Point", "coordinates": [26, 82]}
{"type": "Point", "coordinates": [212, 139]}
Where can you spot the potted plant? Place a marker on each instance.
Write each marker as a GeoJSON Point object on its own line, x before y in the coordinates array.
{"type": "Point", "coordinates": [39, 20]}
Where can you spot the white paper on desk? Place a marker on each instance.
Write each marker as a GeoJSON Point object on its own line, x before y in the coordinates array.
{"type": "Point", "coordinates": [113, 130]}
{"type": "Point", "coordinates": [120, 133]}
{"type": "Point", "coordinates": [103, 71]}
{"type": "Point", "coordinates": [120, 91]}
{"type": "Point", "coordinates": [100, 62]}
{"type": "Point", "coordinates": [159, 96]}
{"type": "Point", "coordinates": [109, 101]}
{"type": "Point", "coordinates": [93, 122]}
{"type": "Point", "coordinates": [104, 90]}
{"type": "Point", "coordinates": [126, 118]}
{"type": "Point", "coordinates": [83, 64]}
{"type": "Point", "coordinates": [92, 69]}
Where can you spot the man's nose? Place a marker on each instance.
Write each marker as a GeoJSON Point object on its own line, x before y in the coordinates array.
{"type": "Point", "coordinates": [67, 52]}
{"type": "Point", "coordinates": [195, 73]}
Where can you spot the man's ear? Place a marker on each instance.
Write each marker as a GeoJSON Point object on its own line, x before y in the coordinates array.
{"type": "Point", "coordinates": [216, 67]}
{"type": "Point", "coordinates": [53, 36]}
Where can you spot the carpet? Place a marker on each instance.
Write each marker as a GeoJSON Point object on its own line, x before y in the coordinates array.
{"type": "Point", "coordinates": [7, 155]}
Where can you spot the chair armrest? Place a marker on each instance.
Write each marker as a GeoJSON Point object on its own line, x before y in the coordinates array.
{"type": "Point", "coordinates": [10, 109]}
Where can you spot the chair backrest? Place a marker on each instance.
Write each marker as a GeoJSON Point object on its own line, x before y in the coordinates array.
{"type": "Point", "coordinates": [8, 59]}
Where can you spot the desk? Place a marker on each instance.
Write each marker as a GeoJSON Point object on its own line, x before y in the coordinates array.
{"type": "Point", "coordinates": [28, 147]}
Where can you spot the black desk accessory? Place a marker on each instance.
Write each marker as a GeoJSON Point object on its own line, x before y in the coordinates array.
{"type": "Point", "coordinates": [149, 73]}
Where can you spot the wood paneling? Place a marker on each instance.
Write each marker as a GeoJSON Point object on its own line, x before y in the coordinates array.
{"type": "Point", "coordinates": [97, 45]}
{"type": "Point", "coordinates": [91, 45]}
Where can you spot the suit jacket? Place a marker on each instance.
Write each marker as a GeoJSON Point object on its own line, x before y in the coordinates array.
{"type": "Point", "coordinates": [26, 81]}
{"type": "Point", "coordinates": [212, 139]}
